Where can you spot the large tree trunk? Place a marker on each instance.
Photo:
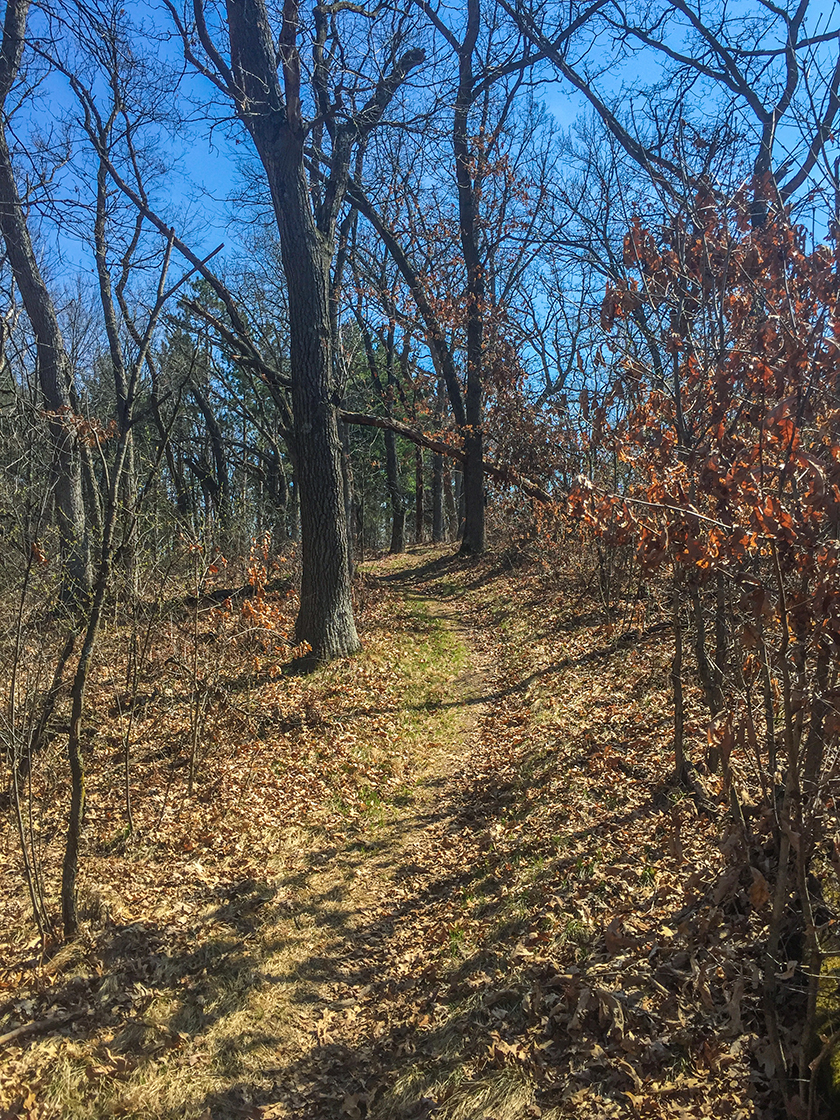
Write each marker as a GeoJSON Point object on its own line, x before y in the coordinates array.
{"type": "Point", "coordinates": [53, 363]}
{"type": "Point", "coordinates": [465, 164]}
{"type": "Point", "coordinates": [325, 619]}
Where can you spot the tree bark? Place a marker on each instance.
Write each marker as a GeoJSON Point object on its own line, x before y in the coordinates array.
{"type": "Point", "coordinates": [392, 476]}
{"type": "Point", "coordinates": [54, 370]}
{"type": "Point", "coordinates": [325, 618]}
{"type": "Point", "coordinates": [449, 505]}
{"type": "Point", "coordinates": [418, 494]}
{"type": "Point", "coordinates": [438, 533]}
{"type": "Point", "coordinates": [306, 223]}
{"type": "Point", "coordinates": [465, 165]}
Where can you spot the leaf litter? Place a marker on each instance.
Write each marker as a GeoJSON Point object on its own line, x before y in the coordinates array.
{"type": "Point", "coordinates": [447, 878]}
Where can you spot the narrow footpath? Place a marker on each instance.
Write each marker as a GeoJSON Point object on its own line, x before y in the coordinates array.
{"type": "Point", "coordinates": [364, 916]}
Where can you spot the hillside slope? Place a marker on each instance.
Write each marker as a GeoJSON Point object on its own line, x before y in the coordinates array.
{"type": "Point", "coordinates": [450, 877]}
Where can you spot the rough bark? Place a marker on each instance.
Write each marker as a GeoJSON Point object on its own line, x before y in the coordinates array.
{"type": "Point", "coordinates": [473, 539]}
{"type": "Point", "coordinates": [274, 118]}
{"type": "Point", "coordinates": [54, 369]}
{"type": "Point", "coordinates": [325, 620]}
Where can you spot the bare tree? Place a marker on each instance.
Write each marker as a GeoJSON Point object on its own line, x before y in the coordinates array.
{"type": "Point", "coordinates": [54, 368]}
{"type": "Point", "coordinates": [291, 120]}
{"type": "Point", "coordinates": [771, 73]}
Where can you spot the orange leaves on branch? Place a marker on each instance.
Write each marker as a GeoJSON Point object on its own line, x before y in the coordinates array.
{"type": "Point", "coordinates": [746, 452]}
{"type": "Point", "coordinates": [258, 611]}
{"type": "Point", "coordinates": [620, 300]}
{"type": "Point", "coordinates": [87, 429]}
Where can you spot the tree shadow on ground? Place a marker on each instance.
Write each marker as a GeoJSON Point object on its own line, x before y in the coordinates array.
{"type": "Point", "coordinates": [440, 1017]}
{"type": "Point", "coordinates": [437, 1015]}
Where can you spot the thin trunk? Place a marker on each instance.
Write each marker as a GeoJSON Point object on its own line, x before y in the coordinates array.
{"type": "Point", "coordinates": [395, 494]}
{"type": "Point", "coordinates": [449, 505]}
{"type": "Point", "coordinates": [278, 494]}
{"type": "Point", "coordinates": [78, 789]}
{"type": "Point", "coordinates": [814, 744]}
{"type": "Point", "coordinates": [54, 370]}
{"type": "Point", "coordinates": [183, 503]}
{"type": "Point", "coordinates": [348, 490]}
{"type": "Point", "coordinates": [418, 495]}
{"type": "Point", "coordinates": [721, 657]}
{"type": "Point", "coordinates": [438, 466]}
{"type": "Point", "coordinates": [769, 709]}
{"type": "Point", "coordinates": [676, 685]}
{"type": "Point", "coordinates": [221, 490]}
{"type": "Point", "coordinates": [781, 897]}
{"type": "Point", "coordinates": [438, 533]}
{"type": "Point", "coordinates": [704, 667]}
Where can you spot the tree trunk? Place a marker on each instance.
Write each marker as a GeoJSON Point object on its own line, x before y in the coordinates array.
{"type": "Point", "coordinates": [221, 491]}
{"type": "Point", "coordinates": [438, 533]}
{"type": "Point", "coordinates": [418, 495]}
{"type": "Point", "coordinates": [465, 168]}
{"type": "Point", "coordinates": [449, 504]}
{"type": "Point", "coordinates": [438, 520]}
{"type": "Point", "coordinates": [676, 685]}
{"type": "Point", "coordinates": [325, 618]}
{"type": "Point", "coordinates": [53, 363]}
{"type": "Point", "coordinates": [459, 504]}
{"type": "Point", "coordinates": [183, 501]}
{"type": "Point", "coordinates": [392, 475]}
{"type": "Point", "coordinates": [348, 490]}
{"type": "Point", "coordinates": [278, 495]}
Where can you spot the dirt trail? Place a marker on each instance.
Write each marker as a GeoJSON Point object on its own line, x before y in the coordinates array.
{"type": "Point", "coordinates": [347, 943]}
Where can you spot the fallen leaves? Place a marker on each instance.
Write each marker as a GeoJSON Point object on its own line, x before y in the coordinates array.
{"type": "Point", "coordinates": [486, 884]}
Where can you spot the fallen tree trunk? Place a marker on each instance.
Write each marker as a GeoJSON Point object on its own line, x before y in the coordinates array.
{"type": "Point", "coordinates": [506, 475]}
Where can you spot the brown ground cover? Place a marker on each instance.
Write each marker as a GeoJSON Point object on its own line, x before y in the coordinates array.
{"type": "Point", "coordinates": [450, 877]}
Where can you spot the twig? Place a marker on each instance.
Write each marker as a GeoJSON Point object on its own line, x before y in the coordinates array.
{"type": "Point", "coordinates": [39, 1026]}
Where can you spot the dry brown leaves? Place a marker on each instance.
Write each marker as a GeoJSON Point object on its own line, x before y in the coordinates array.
{"type": "Point", "coordinates": [525, 918]}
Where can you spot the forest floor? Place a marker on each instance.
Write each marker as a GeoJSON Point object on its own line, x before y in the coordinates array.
{"type": "Point", "coordinates": [449, 878]}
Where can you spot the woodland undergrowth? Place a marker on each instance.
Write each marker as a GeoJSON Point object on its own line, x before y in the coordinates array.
{"type": "Point", "coordinates": [450, 877]}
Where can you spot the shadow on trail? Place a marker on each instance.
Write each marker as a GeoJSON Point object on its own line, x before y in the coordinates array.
{"type": "Point", "coordinates": [421, 1009]}
{"type": "Point", "coordinates": [397, 1000]}
{"type": "Point", "coordinates": [436, 570]}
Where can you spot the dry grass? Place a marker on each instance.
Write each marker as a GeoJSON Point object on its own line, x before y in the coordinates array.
{"type": "Point", "coordinates": [448, 878]}
{"type": "Point", "coordinates": [204, 961]}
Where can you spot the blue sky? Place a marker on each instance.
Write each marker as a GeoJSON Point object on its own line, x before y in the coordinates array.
{"type": "Point", "coordinates": [204, 166]}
